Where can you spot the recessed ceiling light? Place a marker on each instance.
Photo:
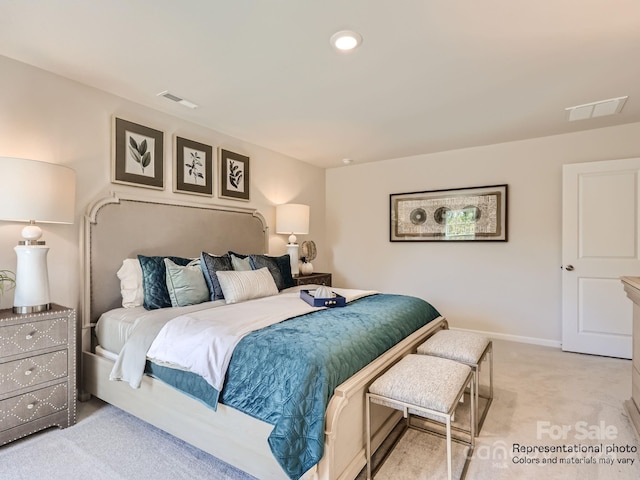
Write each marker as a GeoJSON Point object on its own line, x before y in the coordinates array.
{"type": "Point", "coordinates": [346, 40]}
{"type": "Point", "coordinates": [347, 161]}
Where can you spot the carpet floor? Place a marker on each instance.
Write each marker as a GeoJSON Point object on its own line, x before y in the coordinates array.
{"type": "Point", "coordinates": [555, 415]}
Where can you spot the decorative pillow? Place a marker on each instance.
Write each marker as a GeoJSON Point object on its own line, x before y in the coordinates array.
{"type": "Point", "coordinates": [130, 275]}
{"type": "Point", "coordinates": [211, 265]}
{"type": "Point", "coordinates": [280, 268]}
{"type": "Point", "coordinates": [154, 280]}
{"type": "Point", "coordinates": [186, 285]}
{"type": "Point", "coordinates": [239, 286]}
{"type": "Point", "coordinates": [240, 264]}
{"type": "Point", "coordinates": [284, 262]}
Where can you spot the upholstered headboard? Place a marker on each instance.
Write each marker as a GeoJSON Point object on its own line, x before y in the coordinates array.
{"type": "Point", "coordinates": [123, 226]}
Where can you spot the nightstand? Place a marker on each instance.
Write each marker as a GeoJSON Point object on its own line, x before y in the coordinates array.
{"type": "Point", "coordinates": [37, 371]}
{"type": "Point", "coordinates": [314, 278]}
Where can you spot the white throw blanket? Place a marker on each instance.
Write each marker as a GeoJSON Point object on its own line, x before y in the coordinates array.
{"type": "Point", "coordinates": [202, 342]}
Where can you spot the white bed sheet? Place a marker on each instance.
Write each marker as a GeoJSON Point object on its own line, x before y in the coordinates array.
{"type": "Point", "coordinates": [114, 327]}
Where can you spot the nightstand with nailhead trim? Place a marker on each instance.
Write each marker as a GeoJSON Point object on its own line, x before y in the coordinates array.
{"type": "Point", "coordinates": [314, 278]}
{"type": "Point", "coordinates": [37, 371]}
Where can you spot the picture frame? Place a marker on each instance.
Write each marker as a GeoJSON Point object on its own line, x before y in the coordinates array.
{"type": "Point", "coordinates": [137, 155]}
{"type": "Point", "coordinates": [193, 167]}
{"type": "Point", "coordinates": [234, 176]}
{"type": "Point", "coordinates": [459, 215]}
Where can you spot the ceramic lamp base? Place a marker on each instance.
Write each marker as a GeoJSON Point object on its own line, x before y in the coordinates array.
{"type": "Point", "coordinates": [292, 250]}
{"type": "Point", "coordinates": [32, 279]}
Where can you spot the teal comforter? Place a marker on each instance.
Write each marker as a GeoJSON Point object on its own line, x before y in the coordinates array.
{"type": "Point", "coordinates": [285, 374]}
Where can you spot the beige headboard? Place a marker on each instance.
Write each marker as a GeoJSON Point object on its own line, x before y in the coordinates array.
{"type": "Point", "coordinates": [123, 226]}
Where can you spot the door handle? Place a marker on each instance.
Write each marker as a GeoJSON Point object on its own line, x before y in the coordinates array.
{"type": "Point", "coordinates": [569, 268]}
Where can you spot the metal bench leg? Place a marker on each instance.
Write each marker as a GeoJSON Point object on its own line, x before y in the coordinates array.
{"type": "Point", "coordinates": [449, 466]}
{"type": "Point", "coordinates": [368, 432]}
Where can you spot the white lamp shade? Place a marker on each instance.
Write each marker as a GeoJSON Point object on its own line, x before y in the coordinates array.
{"type": "Point", "coordinates": [292, 218]}
{"type": "Point", "coordinates": [34, 192]}
{"type": "Point", "coordinates": [39, 191]}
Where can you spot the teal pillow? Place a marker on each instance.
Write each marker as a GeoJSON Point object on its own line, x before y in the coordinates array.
{"type": "Point", "coordinates": [154, 280]}
{"type": "Point", "coordinates": [186, 285]}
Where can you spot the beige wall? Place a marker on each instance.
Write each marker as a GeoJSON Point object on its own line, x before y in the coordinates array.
{"type": "Point", "coordinates": [511, 288]}
{"type": "Point", "coordinates": [49, 118]}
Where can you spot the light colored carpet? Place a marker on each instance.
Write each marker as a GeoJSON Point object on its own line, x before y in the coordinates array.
{"type": "Point", "coordinates": [543, 398]}
{"type": "Point", "coordinates": [538, 390]}
{"type": "Point", "coordinates": [109, 444]}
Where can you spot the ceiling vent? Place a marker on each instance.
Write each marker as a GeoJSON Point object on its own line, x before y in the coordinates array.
{"type": "Point", "coordinates": [175, 98]}
{"type": "Point", "coordinates": [596, 109]}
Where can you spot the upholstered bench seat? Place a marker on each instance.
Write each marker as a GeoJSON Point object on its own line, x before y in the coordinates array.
{"type": "Point", "coordinates": [427, 382]}
{"type": "Point", "coordinates": [470, 349]}
{"type": "Point", "coordinates": [426, 386]}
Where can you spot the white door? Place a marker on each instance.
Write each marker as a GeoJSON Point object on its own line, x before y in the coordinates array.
{"type": "Point", "coordinates": [600, 244]}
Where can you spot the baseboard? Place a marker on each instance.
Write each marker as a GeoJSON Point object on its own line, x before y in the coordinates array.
{"type": "Point", "coordinates": [545, 342]}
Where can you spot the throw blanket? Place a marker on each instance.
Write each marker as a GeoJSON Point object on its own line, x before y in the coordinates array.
{"type": "Point", "coordinates": [202, 342]}
{"type": "Point", "coordinates": [286, 374]}
{"type": "Point", "coordinates": [129, 366]}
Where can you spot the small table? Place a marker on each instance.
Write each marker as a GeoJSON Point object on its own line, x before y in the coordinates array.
{"type": "Point", "coordinates": [38, 371]}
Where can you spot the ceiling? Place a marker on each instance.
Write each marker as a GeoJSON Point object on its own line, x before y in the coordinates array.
{"type": "Point", "coordinates": [430, 75]}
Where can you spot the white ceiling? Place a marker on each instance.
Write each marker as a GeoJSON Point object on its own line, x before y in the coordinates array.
{"type": "Point", "coordinates": [431, 75]}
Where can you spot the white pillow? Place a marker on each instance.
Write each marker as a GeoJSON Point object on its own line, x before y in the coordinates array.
{"type": "Point", "coordinates": [130, 275]}
{"type": "Point", "coordinates": [242, 285]}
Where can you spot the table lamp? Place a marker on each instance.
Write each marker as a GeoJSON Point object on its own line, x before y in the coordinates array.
{"type": "Point", "coordinates": [292, 219]}
{"type": "Point", "coordinates": [33, 192]}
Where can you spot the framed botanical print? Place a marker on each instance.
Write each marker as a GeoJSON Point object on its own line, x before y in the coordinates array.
{"type": "Point", "coordinates": [461, 214]}
{"type": "Point", "coordinates": [234, 176]}
{"type": "Point", "coordinates": [193, 167]}
{"type": "Point", "coordinates": [138, 155]}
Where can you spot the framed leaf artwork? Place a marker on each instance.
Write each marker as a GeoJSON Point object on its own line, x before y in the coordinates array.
{"type": "Point", "coordinates": [193, 167]}
{"type": "Point", "coordinates": [234, 176]}
{"type": "Point", "coordinates": [137, 155]}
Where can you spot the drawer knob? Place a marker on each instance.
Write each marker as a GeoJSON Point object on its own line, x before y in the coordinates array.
{"type": "Point", "coordinates": [28, 372]}
{"type": "Point", "coordinates": [30, 335]}
{"type": "Point", "coordinates": [31, 406]}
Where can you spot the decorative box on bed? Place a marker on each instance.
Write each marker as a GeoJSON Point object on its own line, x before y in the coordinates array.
{"type": "Point", "coordinates": [256, 429]}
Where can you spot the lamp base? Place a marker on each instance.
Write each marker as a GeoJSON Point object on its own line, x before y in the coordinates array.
{"type": "Point", "coordinates": [292, 250]}
{"type": "Point", "coordinates": [32, 279]}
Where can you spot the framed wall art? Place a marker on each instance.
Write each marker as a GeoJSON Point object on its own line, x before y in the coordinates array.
{"type": "Point", "coordinates": [234, 176]}
{"type": "Point", "coordinates": [461, 214]}
{"type": "Point", "coordinates": [138, 155]}
{"type": "Point", "coordinates": [193, 167]}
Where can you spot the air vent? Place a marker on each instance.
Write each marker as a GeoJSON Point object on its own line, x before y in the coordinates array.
{"type": "Point", "coordinates": [596, 109]}
{"type": "Point", "coordinates": [175, 98]}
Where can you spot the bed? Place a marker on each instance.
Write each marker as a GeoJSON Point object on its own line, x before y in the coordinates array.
{"type": "Point", "coordinates": [120, 227]}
